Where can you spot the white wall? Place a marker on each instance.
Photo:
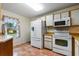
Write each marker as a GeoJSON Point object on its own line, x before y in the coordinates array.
{"type": "Point", "coordinates": [24, 27]}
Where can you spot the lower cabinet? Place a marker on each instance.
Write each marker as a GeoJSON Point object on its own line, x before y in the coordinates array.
{"type": "Point", "coordinates": [6, 48]}
{"type": "Point", "coordinates": [48, 44]}
{"type": "Point", "coordinates": [76, 48]}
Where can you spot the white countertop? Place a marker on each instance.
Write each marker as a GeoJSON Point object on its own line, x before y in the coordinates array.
{"type": "Point", "coordinates": [4, 38]}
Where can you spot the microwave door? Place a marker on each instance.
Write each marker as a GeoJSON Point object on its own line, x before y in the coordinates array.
{"type": "Point", "coordinates": [59, 23]}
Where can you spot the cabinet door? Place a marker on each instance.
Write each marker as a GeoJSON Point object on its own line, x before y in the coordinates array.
{"type": "Point", "coordinates": [0, 19]}
{"type": "Point", "coordinates": [65, 14]}
{"type": "Point", "coordinates": [8, 47]}
{"type": "Point", "coordinates": [0, 11]}
{"type": "Point", "coordinates": [49, 20]}
{"type": "Point", "coordinates": [57, 16]}
{"type": "Point", "coordinates": [48, 44]}
{"type": "Point", "coordinates": [75, 17]}
{"type": "Point", "coordinates": [76, 47]}
{"type": "Point", "coordinates": [43, 18]}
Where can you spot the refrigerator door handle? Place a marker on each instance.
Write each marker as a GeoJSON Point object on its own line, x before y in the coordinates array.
{"type": "Point", "coordinates": [32, 28]}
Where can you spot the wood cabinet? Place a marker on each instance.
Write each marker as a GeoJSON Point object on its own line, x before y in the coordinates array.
{"type": "Point", "coordinates": [49, 20]}
{"type": "Point", "coordinates": [6, 48]}
{"type": "Point", "coordinates": [64, 14]}
{"type": "Point", "coordinates": [75, 17]}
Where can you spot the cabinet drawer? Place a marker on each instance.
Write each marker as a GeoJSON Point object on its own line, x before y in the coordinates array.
{"type": "Point", "coordinates": [48, 39]}
{"type": "Point", "coordinates": [47, 36]}
{"type": "Point", "coordinates": [48, 44]}
{"type": "Point", "coordinates": [37, 43]}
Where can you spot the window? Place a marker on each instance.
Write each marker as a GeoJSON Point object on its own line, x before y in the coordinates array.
{"type": "Point", "coordinates": [11, 26]}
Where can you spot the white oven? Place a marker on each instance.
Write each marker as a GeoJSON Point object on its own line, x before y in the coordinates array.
{"type": "Point", "coordinates": [62, 22]}
{"type": "Point", "coordinates": [62, 44]}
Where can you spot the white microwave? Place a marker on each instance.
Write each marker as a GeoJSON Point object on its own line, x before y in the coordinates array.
{"type": "Point", "coordinates": [62, 22]}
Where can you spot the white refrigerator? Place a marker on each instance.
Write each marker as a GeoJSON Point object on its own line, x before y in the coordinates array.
{"type": "Point", "coordinates": [37, 31]}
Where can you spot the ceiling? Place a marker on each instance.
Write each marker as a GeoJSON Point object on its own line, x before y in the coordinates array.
{"type": "Point", "coordinates": [25, 10]}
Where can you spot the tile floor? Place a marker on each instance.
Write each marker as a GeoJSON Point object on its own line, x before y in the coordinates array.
{"type": "Point", "coordinates": [28, 50]}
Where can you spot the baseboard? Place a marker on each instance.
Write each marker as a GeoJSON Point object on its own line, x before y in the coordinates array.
{"type": "Point", "coordinates": [17, 45]}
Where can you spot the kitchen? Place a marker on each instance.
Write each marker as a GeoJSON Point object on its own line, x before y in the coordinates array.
{"type": "Point", "coordinates": [56, 31]}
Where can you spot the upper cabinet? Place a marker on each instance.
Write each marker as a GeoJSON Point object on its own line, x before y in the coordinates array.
{"type": "Point", "coordinates": [57, 16]}
{"type": "Point", "coordinates": [43, 18]}
{"type": "Point", "coordinates": [0, 10]}
{"type": "Point", "coordinates": [49, 20]}
{"type": "Point", "coordinates": [65, 15]}
{"type": "Point", "coordinates": [0, 20]}
{"type": "Point", "coordinates": [75, 17]}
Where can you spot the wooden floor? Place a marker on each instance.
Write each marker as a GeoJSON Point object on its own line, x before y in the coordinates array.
{"type": "Point", "coordinates": [28, 50]}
